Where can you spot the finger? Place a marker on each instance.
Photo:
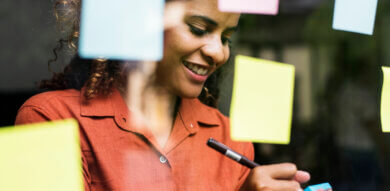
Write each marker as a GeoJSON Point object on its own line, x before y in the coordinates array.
{"type": "Point", "coordinates": [286, 185]}
{"type": "Point", "coordinates": [281, 171]}
{"type": "Point", "coordinates": [302, 176]}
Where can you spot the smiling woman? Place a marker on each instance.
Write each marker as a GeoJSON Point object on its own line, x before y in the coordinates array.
{"type": "Point", "coordinates": [196, 47]}
{"type": "Point", "coordinates": [119, 155]}
{"type": "Point", "coordinates": [99, 76]}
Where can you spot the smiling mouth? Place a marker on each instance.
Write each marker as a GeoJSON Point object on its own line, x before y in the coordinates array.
{"type": "Point", "coordinates": [199, 70]}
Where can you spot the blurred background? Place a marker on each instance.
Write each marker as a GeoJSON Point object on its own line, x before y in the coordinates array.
{"type": "Point", "coordinates": [336, 130]}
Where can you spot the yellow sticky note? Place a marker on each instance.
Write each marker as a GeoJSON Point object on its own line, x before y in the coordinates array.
{"type": "Point", "coordinates": [41, 157]}
{"type": "Point", "coordinates": [262, 101]}
{"type": "Point", "coordinates": [385, 101]}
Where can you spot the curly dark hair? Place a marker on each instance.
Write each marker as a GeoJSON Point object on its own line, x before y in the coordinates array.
{"type": "Point", "coordinates": [97, 76]}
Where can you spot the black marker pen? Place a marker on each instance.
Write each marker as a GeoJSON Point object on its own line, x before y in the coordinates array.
{"type": "Point", "coordinates": [231, 154]}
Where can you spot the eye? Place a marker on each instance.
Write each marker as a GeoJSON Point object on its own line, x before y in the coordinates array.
{"type": "Point", "coordinates": [197, 31]}
{"type": "Point", "coordinates": [226, 40]}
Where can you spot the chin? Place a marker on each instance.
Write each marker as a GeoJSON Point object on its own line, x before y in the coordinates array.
{"type": "Point", "coordinates": [190, 93]}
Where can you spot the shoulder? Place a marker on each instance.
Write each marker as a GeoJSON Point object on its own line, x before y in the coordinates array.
{"type": "Point", "coordinates": [54, 99]}
{"type": "Point", "coordinates": [45, 98]}
{"type": "Point", "coordinates": [49, 105]}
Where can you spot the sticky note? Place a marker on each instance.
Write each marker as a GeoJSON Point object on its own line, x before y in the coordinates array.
{"type": "Point", "coordinates": [266, 7]}
{"type": "Point", "coordinates": [262, 101]}
{"type": "Point", "coordinates": [385, 100]}
{"type": "Point", "coordinates": [122, 29]}
{"type": "Point", "coordinates": [355, 15]}
{"type": "Point", "coordinates": [323, 186]}
{"type": "Point", "coordinates": [41, 157]}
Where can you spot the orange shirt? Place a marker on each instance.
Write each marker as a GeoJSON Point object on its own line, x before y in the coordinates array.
{"type": "Point", "coordinates": [117, 156]}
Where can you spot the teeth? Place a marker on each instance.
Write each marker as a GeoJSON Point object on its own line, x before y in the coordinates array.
{"type": "Point", "coordinates": [196, 69]}
{"type": "Point", "coordinates": [202, 71]}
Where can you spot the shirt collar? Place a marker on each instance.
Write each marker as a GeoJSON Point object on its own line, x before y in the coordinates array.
{"type": "Point", "coordinates": [102, 106]}
{"type": "Point", "coordinates": [194, 110]}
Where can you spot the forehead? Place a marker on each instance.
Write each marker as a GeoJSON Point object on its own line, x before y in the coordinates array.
{"type": "Point", "coordinates": [209, 8]}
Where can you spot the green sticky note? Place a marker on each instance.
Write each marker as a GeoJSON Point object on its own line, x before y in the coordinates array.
{"type": "Point", "coordinates": [385, 101]}
{"type": "Point", "coordinates": [41, 157]}
{"type": "Point", "coordinates": [262, 101]}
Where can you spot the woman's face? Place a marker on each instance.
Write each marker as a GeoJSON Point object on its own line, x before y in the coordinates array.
{"type": "Point", "coordinates": [195, 46]}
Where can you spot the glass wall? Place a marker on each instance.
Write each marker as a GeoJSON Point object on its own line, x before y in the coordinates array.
{"type": "Point", "coordinates": [336, 129]}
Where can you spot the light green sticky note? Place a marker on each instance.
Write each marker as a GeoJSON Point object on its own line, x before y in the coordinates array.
{"type": "Point", "coordinates": [262, 101]}
{"type": "Point", "coordinates": [41, 157]}
{"type": "Point", "coordinates": [385, 101]}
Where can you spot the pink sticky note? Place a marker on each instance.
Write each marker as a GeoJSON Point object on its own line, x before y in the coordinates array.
{"type": "Point", "coordinates": [266, 7]}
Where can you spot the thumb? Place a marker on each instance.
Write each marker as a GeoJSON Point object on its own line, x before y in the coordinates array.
{"type": "Point", "coordinates": [302, 176]}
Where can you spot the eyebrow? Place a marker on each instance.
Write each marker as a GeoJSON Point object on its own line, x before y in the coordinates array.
{"type": "Point", "coordinates": [212, 22]}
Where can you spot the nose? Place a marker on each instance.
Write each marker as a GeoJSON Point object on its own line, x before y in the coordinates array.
{"type": "Point", "coordinates": [213, 51]}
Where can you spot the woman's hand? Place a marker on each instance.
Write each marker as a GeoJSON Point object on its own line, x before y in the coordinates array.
{"type": "Point", "coordinates": [276, 177]}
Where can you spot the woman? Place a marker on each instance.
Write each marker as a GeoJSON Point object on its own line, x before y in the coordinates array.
{"type": "Point", "coordinates": [118, 155]}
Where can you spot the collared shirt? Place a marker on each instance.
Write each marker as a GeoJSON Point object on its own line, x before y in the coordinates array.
{"type": "Point", "coordinates": [117, 156]}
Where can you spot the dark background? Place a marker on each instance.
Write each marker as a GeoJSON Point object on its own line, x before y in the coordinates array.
{"type": "Point", "coordinates": [336, 131]}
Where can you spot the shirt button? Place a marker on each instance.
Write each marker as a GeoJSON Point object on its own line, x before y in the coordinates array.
{"type": "Point", "coordinates": [163, 159]}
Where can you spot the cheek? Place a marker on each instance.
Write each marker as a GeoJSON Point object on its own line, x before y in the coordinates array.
{"type": "Point", "coordinates": [179, 41]}
{"type": "Point", "coordinates": [226, 53]}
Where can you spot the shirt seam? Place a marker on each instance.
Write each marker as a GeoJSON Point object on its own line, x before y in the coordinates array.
{"type": "Point", "coordinates": [41, 109]}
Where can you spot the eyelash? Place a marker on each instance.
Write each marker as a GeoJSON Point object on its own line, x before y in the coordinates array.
{"type": "Point", "coordinates": [199, 32]}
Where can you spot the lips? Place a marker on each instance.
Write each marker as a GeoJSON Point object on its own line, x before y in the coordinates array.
{"type": "Point", "coordinates": [196, 72]}
{"type": "Point", "coordinates": [197, 69]}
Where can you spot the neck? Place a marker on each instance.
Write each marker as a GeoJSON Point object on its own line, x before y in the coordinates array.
{"type": "Point", "coordinates": [153, 106]}
{"type": "Point", "coordinates": [166, 101]}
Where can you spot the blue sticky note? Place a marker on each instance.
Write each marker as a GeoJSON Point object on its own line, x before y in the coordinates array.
{"type": "Point", "coordinates": [122, 29]}
{"type": "Point", "coordinates": [355, 15]}
{"type": "Point", "coordinates": [323, 186]}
